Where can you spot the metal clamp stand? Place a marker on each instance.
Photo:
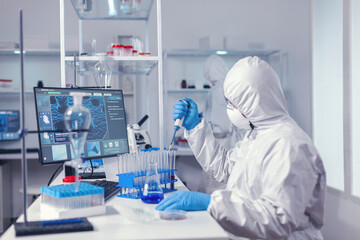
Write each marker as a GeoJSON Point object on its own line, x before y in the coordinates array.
{"type": "Point", "coordinates": [38, 227]}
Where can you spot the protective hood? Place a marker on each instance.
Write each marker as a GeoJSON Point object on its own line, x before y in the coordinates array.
{"type": "Point", "coordinates": [254, 88]}
{"type": "Point", "coordinates": [215, 69]}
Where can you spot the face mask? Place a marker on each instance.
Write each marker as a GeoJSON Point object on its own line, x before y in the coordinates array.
{"type": "Point", "coordinates": [238, 119]}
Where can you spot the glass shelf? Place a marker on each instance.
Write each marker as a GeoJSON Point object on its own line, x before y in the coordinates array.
{"type": "Point", "coordinates": [34, 52]}
{"type": "Point", "coordinates": [10, 91]}
{"type": "Point", "coordinates": [110, 10]}
{"type": "Point", "coordinates": [188, 90]}
{"type": "Point", "coordinates": [232, 53]}
{"type": "Point", "coordinates": [119, 65]}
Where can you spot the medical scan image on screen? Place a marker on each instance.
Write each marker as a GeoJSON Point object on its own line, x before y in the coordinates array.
{"type": "Point", "coordinates": [9, 125]}
{"type": "Point", "coordinates": [107, 134]}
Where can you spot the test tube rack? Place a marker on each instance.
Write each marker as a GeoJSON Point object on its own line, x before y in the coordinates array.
{"type": "Point", "coordinates": [62, 201]}
{"type": "Point", "coordinates": [132, 184]}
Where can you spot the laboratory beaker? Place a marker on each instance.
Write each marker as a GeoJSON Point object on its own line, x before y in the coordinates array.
{"type": "Point", "coordinates": [152, 192]}
{"type": "Point", "coordinates": [102, 73]}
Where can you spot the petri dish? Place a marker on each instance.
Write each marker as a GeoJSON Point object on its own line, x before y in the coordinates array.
{"type": "Point", "coordinates": [173, 214]}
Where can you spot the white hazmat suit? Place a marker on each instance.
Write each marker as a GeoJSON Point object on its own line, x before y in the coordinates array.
{"type": "Point", "coordinates": [275, 176]}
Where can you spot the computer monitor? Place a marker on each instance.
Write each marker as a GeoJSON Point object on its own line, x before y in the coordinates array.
{"type": "Point", "coordinates": [9, 125]}
{"type": "Point", "coordinates": [107, 135]}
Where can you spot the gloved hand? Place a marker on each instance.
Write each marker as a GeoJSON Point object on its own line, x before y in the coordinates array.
{"type": "Point", "coordinates": [190, 112]}
{"type": "Point", "coordinates": [185, 200]}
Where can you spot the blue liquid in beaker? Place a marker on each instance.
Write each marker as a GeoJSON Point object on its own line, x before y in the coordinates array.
{"type": "Point", "coordinates": [152, 198]}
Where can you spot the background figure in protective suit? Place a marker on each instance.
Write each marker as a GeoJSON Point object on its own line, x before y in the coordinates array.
{"type": "Point", "coordinates": [224, 131]}
{"type": "Point", "coordinates": [275, 177]}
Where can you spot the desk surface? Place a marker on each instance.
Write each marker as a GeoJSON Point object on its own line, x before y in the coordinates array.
{"type": "Point", "coordinates": [113, 225]}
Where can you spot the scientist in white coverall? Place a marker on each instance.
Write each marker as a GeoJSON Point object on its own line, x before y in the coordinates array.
{"type": "Point", "coordinates": [275, 176]}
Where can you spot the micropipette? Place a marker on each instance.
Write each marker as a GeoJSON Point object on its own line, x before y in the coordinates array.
{"type": "Point", "coordinates": [177, 125]}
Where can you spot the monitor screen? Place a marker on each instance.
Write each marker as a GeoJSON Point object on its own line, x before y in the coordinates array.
{"type": "Point", "coordinates": [9, 125]}
{"type": "Point", "coordinates": [107, 135]}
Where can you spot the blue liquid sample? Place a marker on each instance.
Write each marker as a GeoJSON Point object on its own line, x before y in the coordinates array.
{"type": "Point", "coordinates": [152, 198]}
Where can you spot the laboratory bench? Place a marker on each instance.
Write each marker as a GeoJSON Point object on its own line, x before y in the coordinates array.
{"type": "Point", "coordinates": [114, 225]}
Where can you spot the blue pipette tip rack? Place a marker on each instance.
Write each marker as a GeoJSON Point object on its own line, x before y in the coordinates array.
{"type": "Point", "coordinates": [68, 190]}
{"type": "Point", "coordinates": [134, 190]}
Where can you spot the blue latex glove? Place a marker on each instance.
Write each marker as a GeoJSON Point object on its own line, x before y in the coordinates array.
{"type": "Point", "coordinates": [190, 112]}
{"type": "Point", "coordinates": [185, 200]}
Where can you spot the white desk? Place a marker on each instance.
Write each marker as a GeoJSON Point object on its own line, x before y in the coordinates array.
{"type": "Point", "coordinates": [197, 225]}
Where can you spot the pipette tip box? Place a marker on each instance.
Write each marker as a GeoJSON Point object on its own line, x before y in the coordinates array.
{"type": "Point", "coordinates": [62, 201]}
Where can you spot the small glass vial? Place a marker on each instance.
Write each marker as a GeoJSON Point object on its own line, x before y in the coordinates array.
{"type": "Point", "coordinates": [93, 47]}
{"type": "Point", "coordinates": [183, 83]}
{"type": "Point", "coordinates": [115, 50]}
{"type": "Point", "coordinates": [121, 50]}
{"type": "Point", "coordinates": [128, 50]}
{"type": "Point", "coordinates": [134, 52]}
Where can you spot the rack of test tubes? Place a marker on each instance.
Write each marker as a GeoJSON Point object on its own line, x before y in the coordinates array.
{"type": "Point", "coordinates": [133, 167]}
{"type": "Point", "coordinates": [65, 201]}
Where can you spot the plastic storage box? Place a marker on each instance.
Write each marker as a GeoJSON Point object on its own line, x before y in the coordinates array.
{"type": "Point", "coordinates": [62, 201]}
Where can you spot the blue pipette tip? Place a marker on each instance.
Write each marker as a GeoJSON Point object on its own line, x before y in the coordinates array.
{"type": "Point", "coordinates": [176, 128]}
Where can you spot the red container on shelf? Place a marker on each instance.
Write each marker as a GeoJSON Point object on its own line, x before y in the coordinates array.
{"type": "Point", "coordinates": [118, 49]}
{"type": "Point", "coordinates": [128, 50]}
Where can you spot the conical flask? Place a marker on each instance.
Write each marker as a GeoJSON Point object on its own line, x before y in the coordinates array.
{"type": "Point", "coordinates": [102, 73]}
{"type": "Point", "coordinates": [152, 192]}
{"type": "Point", "coordinates": [77, 120]}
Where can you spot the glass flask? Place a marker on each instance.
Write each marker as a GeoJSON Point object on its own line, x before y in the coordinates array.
{"type": "Point", "coordinates": [102, 73]}
{"type": "Point", "coordinates": [77, 120]}
{"type": "Point", "coordinates": [152, 192]}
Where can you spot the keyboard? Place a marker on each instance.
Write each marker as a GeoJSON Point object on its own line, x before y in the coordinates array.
{"type": "Point", "coordinates": [37, 227]}
{"type": "Point", "coordinates": [95, 175]}
{"type": "Point", "coordinates": [110, 188]}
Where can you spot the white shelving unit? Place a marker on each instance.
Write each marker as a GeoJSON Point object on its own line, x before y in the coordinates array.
{"type": "Point", "coordinates": [139, 65]}
{"type": "Point", "coordinates": [32, 52]}
{"type": "Point", "coordinates": [120, 65]}
{"type": "Point", "coordinates": [189, 62]}
{"type": "Point", "coordinates": [188, 90]}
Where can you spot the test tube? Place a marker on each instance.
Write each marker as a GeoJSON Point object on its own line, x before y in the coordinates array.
{"type": "Point", "coordinates": [173, 157]}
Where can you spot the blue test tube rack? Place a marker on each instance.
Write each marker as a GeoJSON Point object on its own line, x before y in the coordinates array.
{"type": "Point", "coordinates": [132, 184]}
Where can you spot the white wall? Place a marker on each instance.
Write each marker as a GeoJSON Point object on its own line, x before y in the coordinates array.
{"type": "Point", "coordinates": [328, 88]}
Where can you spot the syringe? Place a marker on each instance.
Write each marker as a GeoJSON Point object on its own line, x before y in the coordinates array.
{"type": "Point", "coordinates": [177, 125]}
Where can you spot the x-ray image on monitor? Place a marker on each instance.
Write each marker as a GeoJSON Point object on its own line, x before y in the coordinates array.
{"type": "Point", "coordinates": [106, 137]}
